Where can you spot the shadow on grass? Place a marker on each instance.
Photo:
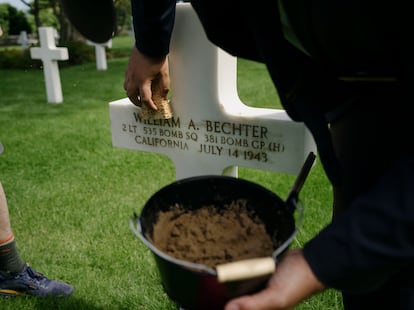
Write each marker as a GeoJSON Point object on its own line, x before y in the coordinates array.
{"type": "Point", "coordinates": [65, 304]}
{"type": "Point", "coordinates": [69, 303]}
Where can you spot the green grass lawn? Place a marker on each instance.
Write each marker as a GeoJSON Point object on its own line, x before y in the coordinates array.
{"type": "Point", "coordinates": [71, 193]}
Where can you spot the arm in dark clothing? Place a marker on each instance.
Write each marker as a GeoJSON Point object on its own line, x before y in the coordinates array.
{"type": "Point", "coordinates": [153, 23]}
{"type": "Point", "coordinates": [373, 239]}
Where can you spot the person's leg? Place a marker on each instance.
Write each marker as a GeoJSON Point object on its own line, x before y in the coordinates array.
{"type": "Point", "coordinates": [10, 261]}
{"type": "Point", "coordinates": [16, 277]}
{"type": "Point", "coordinates": [5, 227]}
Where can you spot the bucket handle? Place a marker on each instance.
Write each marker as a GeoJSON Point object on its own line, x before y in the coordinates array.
{"type": "Point", "coordinates": [294, 204]}
{"type": "Point", "coordinates": [300, 179]}
{"type": "Point", "coordinates": [300, 208]}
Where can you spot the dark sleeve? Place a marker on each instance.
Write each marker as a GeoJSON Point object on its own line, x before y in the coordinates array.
{"type": "Point", "coordinates": [373, 239]}
{"type": "Point", "coordinates": [153, 22]}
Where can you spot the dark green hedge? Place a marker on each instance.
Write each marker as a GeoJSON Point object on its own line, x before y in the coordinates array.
{"type": "Point", "coordinates": [17, 58]}
{"type": "Point", "coordinates": [13, 58]}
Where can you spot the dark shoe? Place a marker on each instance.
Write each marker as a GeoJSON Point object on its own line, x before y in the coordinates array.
{"type": "Point", "coordinates": [32, 283]}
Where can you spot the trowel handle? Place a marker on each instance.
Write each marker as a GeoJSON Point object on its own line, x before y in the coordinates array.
{"type": "Point", "coordinates": [300, 180]}
{"type": "Point", "coordinates": [245, 269]}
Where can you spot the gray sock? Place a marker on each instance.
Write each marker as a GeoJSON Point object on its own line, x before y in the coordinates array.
{"type": "Point", "coordinates": [10, 261]}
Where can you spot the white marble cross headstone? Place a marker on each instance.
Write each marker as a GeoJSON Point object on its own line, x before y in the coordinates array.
{"type": "Point", "coordinates": [100, 54]}
{"type": "Point", "coordinates": [212, 131]}
{"type": "Point", "coordinates": [23, 40]}
{"type": "Point", "coordinates": [50, 54]}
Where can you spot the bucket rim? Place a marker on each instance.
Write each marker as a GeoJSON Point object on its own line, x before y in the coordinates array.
{"type": "Point", "coordinates": [136, 228]}
{"type": "Point", "coordinates": [291, 205]}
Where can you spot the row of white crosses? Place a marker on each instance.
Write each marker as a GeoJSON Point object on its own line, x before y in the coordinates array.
{"type": "Point", "coordinates": [212, 131]}
{"type": "Point", "coordinates": [49, 54]}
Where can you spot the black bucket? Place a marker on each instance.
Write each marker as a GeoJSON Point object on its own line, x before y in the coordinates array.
{"type": "Point", "coordinates": [197, 286]}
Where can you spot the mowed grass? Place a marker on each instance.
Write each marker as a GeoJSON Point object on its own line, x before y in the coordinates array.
{"type": "Point", "coordinates": [71, 193]}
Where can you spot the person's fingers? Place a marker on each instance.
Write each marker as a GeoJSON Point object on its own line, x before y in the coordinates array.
{"type": "Point", "coordinates": [142, 78]}
{"type": "Point", "coordinates": [146, 95]}
{"type": "Point", "coordinates": [267, 299]}
{"type": "Point", "coordinates": [164, 81]}
{"type": "Point", "coordinates": [164, 86]}
{"type": "Point", "coordinates": [131, 91]}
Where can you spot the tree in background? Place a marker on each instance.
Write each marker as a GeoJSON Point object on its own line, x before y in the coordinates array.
{"type": "Point", "coordinates": [13, 21]}
{"type": "Point", "coordinates": [39, 13]}
{"type": "Point", "coordinates": [123, 15]}
{"type": "Point", "coordinates": [45, 13]}
{"type": "Point", "coordinates": [49, 13]}
{"type": "Point", "coordinates": [4, 18]}
{"type": "Point", "coordinates": [18, 22]}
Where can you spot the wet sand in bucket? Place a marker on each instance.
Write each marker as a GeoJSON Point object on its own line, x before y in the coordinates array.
{"type": "Point", "coordinates": [211, 235]}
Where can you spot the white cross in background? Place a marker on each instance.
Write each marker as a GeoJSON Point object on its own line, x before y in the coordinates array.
{"type": "Point", "coordinates": [50, 54]}
{"type": "Point", "coordinates": [212, 131]}
{"type": "Point", "coordinates": [23, 40]}
{"type": "Point", "coordinates": [100, 53]}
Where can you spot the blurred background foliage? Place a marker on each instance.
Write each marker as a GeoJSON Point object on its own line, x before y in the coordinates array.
{"type": "Point", "coordinates": [48, 13]}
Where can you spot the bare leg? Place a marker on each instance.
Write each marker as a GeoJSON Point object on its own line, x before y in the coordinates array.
{"type": "Point", "coordinates": [10, 261]}
{"type": "Point", "coordinates": [16, 277]}
{"type": "Point", "coordinates": [5, 227]}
